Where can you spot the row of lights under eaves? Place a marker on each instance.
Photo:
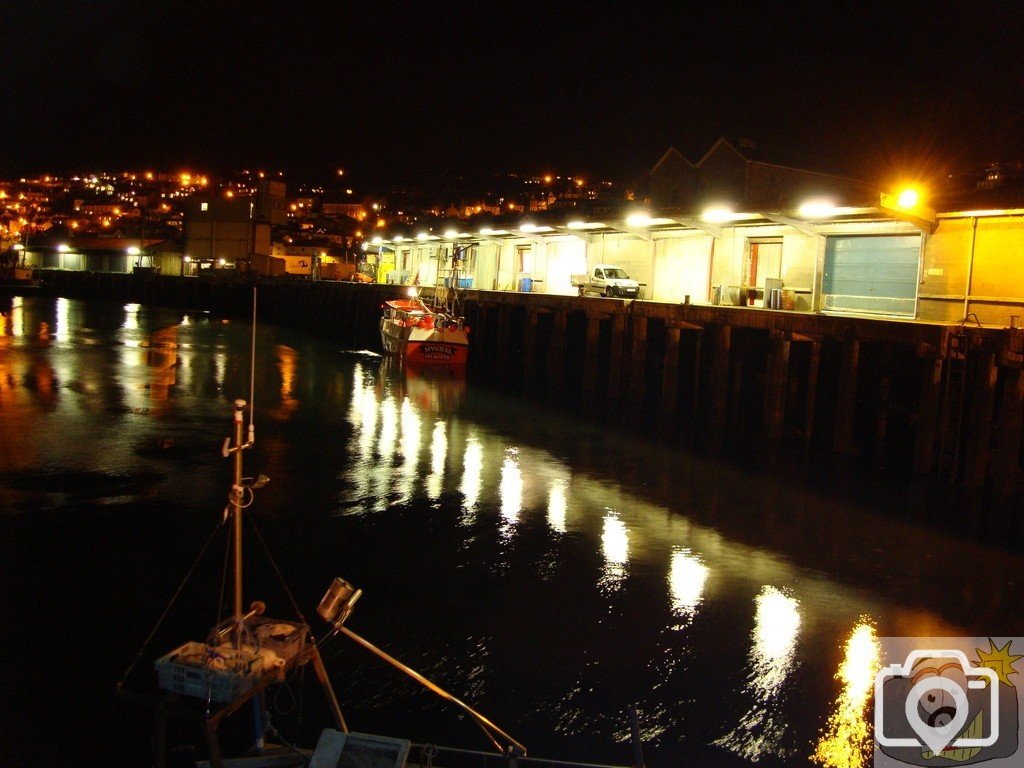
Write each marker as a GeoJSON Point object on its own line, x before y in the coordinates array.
{"type": "Point", "coordinates": [812, 209]}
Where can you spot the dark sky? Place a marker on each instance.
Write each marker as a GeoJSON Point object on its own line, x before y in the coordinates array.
{"type": "Point", "coordinates": [384, 88]}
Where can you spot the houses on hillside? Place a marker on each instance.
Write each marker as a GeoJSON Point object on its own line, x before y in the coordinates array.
{"type": "Point", "coordinates": [731, 227]}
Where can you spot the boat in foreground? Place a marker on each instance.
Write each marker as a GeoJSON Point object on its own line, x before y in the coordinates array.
{"type": "Point", "coordinates": [246, 654]}
{"type": "Point", "coordinates": [419, 335]}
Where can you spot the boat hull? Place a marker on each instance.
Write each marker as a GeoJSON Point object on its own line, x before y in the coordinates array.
{"type": "Point", "coordinates": [17, 280]}
{"type": "Point", "coordinates": [424, 346]}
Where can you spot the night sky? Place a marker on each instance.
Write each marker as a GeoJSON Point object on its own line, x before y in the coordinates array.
{"type": "Point", "coordinates": [393, 90]}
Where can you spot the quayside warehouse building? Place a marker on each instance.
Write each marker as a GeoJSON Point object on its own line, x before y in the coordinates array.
{"type": "Point", "coordinates": [729, 229]}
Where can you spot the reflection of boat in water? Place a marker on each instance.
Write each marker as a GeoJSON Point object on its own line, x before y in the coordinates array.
{"type": "Point", "coordinates": [420, 335]}
{"type": "Point", "coordinates": [437, 390]}
{"type": "Point", "coordinates": [434, 389]}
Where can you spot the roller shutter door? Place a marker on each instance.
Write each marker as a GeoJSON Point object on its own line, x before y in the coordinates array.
{"type": "Point", "coordinates": [877, 274]}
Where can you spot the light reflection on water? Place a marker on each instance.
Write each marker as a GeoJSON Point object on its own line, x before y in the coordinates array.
{"type": "Point", "coordinates": [557, 504]}
{"type": "Point", "coordinates": [615, 548]}
{"type": "Point", "coordinates": [846, 740]}
{"type": "Point", "coordinates": [686, 578]}
{"type": "Point", "coordinates": [611, 594]}
{"type": "Point", "coordinates": [510, 492]}
{"type": "Point", "coordinates": [761, 729]}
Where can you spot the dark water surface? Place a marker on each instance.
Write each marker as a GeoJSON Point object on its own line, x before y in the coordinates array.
{"type": "Point", "coordinates": [551, 572]}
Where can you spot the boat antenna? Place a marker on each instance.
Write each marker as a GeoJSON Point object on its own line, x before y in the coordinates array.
{"type": "Point", "coordinates": [252, 373]}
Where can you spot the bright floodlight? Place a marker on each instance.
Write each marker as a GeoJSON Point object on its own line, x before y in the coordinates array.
{"type": "Point", "coordinates": [527, 227]}
{"type": "Point", "coordinates": [486, 231]}
{"type": "Point", "coordinates": [421, 236]}
{"type": "Point", "coordinates": [18, 247]}
{"type": "Point", "coordinates": [908, 198]}
{"type": "Point", "coordinates": [451, 234]}
{"type": "Point", "coordinates": [717, 215]}
{"type": "Point", "coordinates": [63, 248]}
{"type": "Point", "coordinates": [399, 238]}
{"type": "Point", "coordinates": [576, 224]}
{"type": "Point", "coordinates": [377, 240]}
{"type": "Point", "coordinates": [817, 209]}
{"type": "Point", "coordinates": [134, 250]}
{"type": "Point", "coordinates": [638, 220]}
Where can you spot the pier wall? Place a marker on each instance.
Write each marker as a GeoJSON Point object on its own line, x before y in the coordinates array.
{"type": "Point", "coordinates": [939, 407]}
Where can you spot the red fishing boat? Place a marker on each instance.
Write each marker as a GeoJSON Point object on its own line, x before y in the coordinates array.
{"type": "Point", "coordinates": [421, 335]}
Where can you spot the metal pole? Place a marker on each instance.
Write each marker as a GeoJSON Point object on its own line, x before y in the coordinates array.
{"type": "Point", "coordinates": [488, 727]}
{"type": "Point", "coordinates": [970, 267]}
{"type": "Point", "coordinates": [236, 503]}
{"type": "Point", "coordinates": [638, 745]}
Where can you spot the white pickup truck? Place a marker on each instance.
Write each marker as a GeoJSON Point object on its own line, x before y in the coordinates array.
{"type": "Point", "coordinates": [607, 280]}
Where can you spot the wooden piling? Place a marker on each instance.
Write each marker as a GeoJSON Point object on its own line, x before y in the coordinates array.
{"type": "Point", "coordinates": [928, 415]}
{"type": "Point", "coordinates": [616, 360]}
{"type": "Point", "coordinates": [1011, 418]}
{"type": "Point", "coordinates": [502, 342]}
{"type": "Point", "coordinates": [556, 355]}
{"type": "Point", "coordinates": [882, 417]}
{"type": "Point", "coordinates": [718, 377]}
{"type": "Point", "coordinates": [637, 365]}
{"type": "Point", "coordinates": [591, 356]}
{"type": "Point", "coordinates": [670, 376]}
{"type": "Point", "coordinates": [847, 402]}
{"type": "Point", "coordinates": [530, 351]}
{"type": "Point", "coordinates": [698, 344]}
{"type": "Point", "coordinates": [983, 390]}
{"type": "Point", "coordinates": [776, 376]}
{"type": "Point", "coordinates": [811, 391]}
{"type": "Point", "coordinates": [738, 361]}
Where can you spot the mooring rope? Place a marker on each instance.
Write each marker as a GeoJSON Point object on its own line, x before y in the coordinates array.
{"type": "Point", "coordinates": [177, 592]}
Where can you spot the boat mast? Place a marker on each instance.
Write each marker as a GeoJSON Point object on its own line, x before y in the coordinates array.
{"type": "Point", "coordinates": [237, 486]}
{"type": "Point", "coordinates": [235, 499]}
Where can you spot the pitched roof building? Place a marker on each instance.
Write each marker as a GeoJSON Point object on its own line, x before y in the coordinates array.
{"type": "Point", "coordinates": [737, 176]}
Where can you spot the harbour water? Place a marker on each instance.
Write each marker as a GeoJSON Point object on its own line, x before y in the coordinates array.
{"type": "Point", "coordinates": [553, 573]}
